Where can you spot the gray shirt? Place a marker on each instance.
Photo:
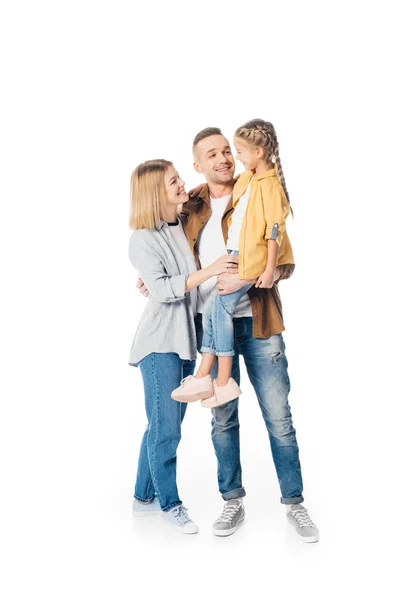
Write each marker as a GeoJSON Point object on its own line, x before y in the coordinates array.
{"type": "Point", "coordinates": [167, 323]}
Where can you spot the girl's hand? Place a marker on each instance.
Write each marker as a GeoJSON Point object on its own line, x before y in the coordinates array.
{"type": "Point", "coordinates": [266, 279]}
{"type": "Point", "coordinates": [225, 264]}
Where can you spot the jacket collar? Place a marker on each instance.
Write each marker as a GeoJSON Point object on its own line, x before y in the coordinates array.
{"type": "Point", "coordinates": [270, 173]}
{"type": "Point", "coordinates": [204, 193]}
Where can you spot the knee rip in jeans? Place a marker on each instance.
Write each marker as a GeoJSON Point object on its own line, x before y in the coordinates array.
{"type": "Point", "coordinates": [275, 355]}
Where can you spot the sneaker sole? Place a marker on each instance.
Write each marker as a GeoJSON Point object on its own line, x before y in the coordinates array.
{"type": "Point", "coordinates": [308, 540]}
{"type": "Point", "coordinates": [227, 532]}
{"type": "Point", "coordinates": [192, 397]}
{"type": "Point", "coordinates": [182, 529]}
{"type": "Point", "coordinates": [216, 404]}
{"type": "Point", "coordinates": [150, 513]}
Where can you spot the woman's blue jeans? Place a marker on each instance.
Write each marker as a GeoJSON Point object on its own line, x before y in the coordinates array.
{"type": "Point", "coordinates": [218, 332]}
{"type": "Point", "coordinates": [156, 474]}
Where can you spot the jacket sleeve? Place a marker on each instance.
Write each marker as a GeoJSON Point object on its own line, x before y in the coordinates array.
{"type": "Point", "coordinates": [276, 210]}
{"type": "Point", "coordinates": [163, 287]}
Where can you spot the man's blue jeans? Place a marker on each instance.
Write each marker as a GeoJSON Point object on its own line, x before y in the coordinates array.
{"type": "Point", "coordinates": [266, 366]}
{"type": "Point", "coordinates": [156, 474]}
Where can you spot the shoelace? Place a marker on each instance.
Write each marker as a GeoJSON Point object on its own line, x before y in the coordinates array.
{"type": "Point", "coordinates": [302, 517]}
{"type": "Point", "coordinates": [229, 512]}
{"type": "Point", "coordinates": [180, 514]}
{"type": "Point", "coordinates": [185, 380]}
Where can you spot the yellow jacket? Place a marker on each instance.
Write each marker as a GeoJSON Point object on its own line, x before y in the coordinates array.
{"type": "Point", "coordinates": [264, 219]}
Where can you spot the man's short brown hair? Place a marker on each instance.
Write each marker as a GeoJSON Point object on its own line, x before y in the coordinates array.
{"type": "Point", "coordinates": [205, 133]}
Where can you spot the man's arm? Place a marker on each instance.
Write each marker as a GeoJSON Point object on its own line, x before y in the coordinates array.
{"type": "Point", "coordinates": [141, 287]}
{"type": "Point", "coordinates": [284, 272]}
{"type": "Point", "coordinates": [227, 283]}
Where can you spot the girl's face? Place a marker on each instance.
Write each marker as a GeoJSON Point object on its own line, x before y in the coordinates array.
{"type": "Point", "coordinates": [249, 156]}
{"type": "Point", "coordinates": [174, 187]}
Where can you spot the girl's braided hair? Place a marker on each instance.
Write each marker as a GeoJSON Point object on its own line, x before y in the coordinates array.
{"type": "Point", "coordinates": [262, 134]}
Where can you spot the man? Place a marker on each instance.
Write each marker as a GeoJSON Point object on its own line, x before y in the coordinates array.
{"type": "Point", "coordinates": [258, 325]}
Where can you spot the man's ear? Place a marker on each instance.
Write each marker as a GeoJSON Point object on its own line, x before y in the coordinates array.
{"type": "Point", "coordinates": [197, 168]}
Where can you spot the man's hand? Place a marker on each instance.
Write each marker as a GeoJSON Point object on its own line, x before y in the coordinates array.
{"type": "Point", "coordinates": [227, 283]}
{"type": "Point", "coordinates": [195, 191]}
{"type": "Point", "coordinates": [142, 288]}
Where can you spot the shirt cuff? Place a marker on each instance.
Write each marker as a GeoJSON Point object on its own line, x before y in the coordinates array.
{"type": "Point", "coordinates": [274, 233]}
{"type": "Point", "coordinates": [178, 284]}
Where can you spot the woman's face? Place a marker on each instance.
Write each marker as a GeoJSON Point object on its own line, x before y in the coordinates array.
{"type": "Point", "coordinates": [174, 187]}
{"type": "Point", "coordinates": [248, 155]}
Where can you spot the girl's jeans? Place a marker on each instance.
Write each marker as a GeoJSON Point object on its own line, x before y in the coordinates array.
{"type": "Point", "coordinates": [156, 474]}
{"type": "Point", "coordinates": [218, 334]}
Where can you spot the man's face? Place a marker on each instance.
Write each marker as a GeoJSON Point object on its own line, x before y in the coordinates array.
{"type": "Point", "coordinates": [213, 158]}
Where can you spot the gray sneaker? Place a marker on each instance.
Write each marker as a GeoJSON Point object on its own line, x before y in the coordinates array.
{"type": "Point", "coordinates": [299, 518]}
{"type": "Point", "coordinates": [231, 516]}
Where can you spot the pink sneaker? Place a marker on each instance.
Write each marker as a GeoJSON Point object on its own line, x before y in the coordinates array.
{"type": "Point", "coordinates": [193, 388]}
{"type": "Point", "coordinates": [222, 394]}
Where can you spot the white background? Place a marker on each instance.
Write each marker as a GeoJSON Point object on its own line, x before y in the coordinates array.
{"type": "Point", "coordinates": [89, 90]}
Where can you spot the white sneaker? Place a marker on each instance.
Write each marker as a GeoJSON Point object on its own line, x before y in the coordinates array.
{"type": "Point", "coordinates": [179, 520]}
{"type": "Point", "coordinates": [230, 519]}
{"type": "Point", "coordinates": [141, 509]}
{"type": "Point", "coordinates": [299, 518]}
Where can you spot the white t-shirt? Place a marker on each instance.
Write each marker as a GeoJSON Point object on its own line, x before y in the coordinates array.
{"type": "Point", "coordinates": [211, 245]}
{"type": "Point", "coordinates": [237, 218]}
{"type": "Point", "coordinates": [180, 239]}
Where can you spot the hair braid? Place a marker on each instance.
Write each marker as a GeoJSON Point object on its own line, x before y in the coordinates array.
{"type": "Point", "coordinates": [262, 133]}
{"type": "Point", "coordinates": [279, 171]}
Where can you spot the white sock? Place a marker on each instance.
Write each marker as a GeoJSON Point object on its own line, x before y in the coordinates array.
{"type": "Point", "coordinates": [240, 500]}
{"type": "Point", "coordinates": [290, 507]}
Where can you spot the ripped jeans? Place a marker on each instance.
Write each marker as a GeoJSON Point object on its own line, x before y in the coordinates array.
{"type": "Point", "coordinates": [267, 368]}
{"type": "Point", "coordinates": [218, 333]}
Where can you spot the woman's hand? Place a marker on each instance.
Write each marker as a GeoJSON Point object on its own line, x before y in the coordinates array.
{"type": "Point", "coordinates": [228, 263]}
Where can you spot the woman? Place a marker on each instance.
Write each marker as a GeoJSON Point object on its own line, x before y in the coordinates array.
{"type": "Point", "coordinates": [164, 347]}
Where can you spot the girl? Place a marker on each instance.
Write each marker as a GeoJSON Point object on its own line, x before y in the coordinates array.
{"type": "Point", "coordinates": [257, 234]}
{"type": "Point", "coordinates": [164, 347]}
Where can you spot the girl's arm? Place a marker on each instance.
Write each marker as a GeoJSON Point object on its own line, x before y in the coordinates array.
{"type": "Point", "coordinates": [276, 209]}
{"type": "Point", "coordinates": [266, 279]}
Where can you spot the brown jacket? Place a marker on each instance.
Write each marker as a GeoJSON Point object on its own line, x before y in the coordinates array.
{"type": "Point", "coordinates": [266, 304]}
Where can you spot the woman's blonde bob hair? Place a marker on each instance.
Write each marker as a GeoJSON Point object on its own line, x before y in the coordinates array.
{"type": "Point", "coordinates": [148, 194]}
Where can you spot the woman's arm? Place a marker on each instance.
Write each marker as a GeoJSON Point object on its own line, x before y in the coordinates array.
{"type": "Point", "coordinates": [225, 264]}
{"type": "Point", "coordinates": [171, 288]}
{"type": "Point", "coordinates": [163, 287]}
